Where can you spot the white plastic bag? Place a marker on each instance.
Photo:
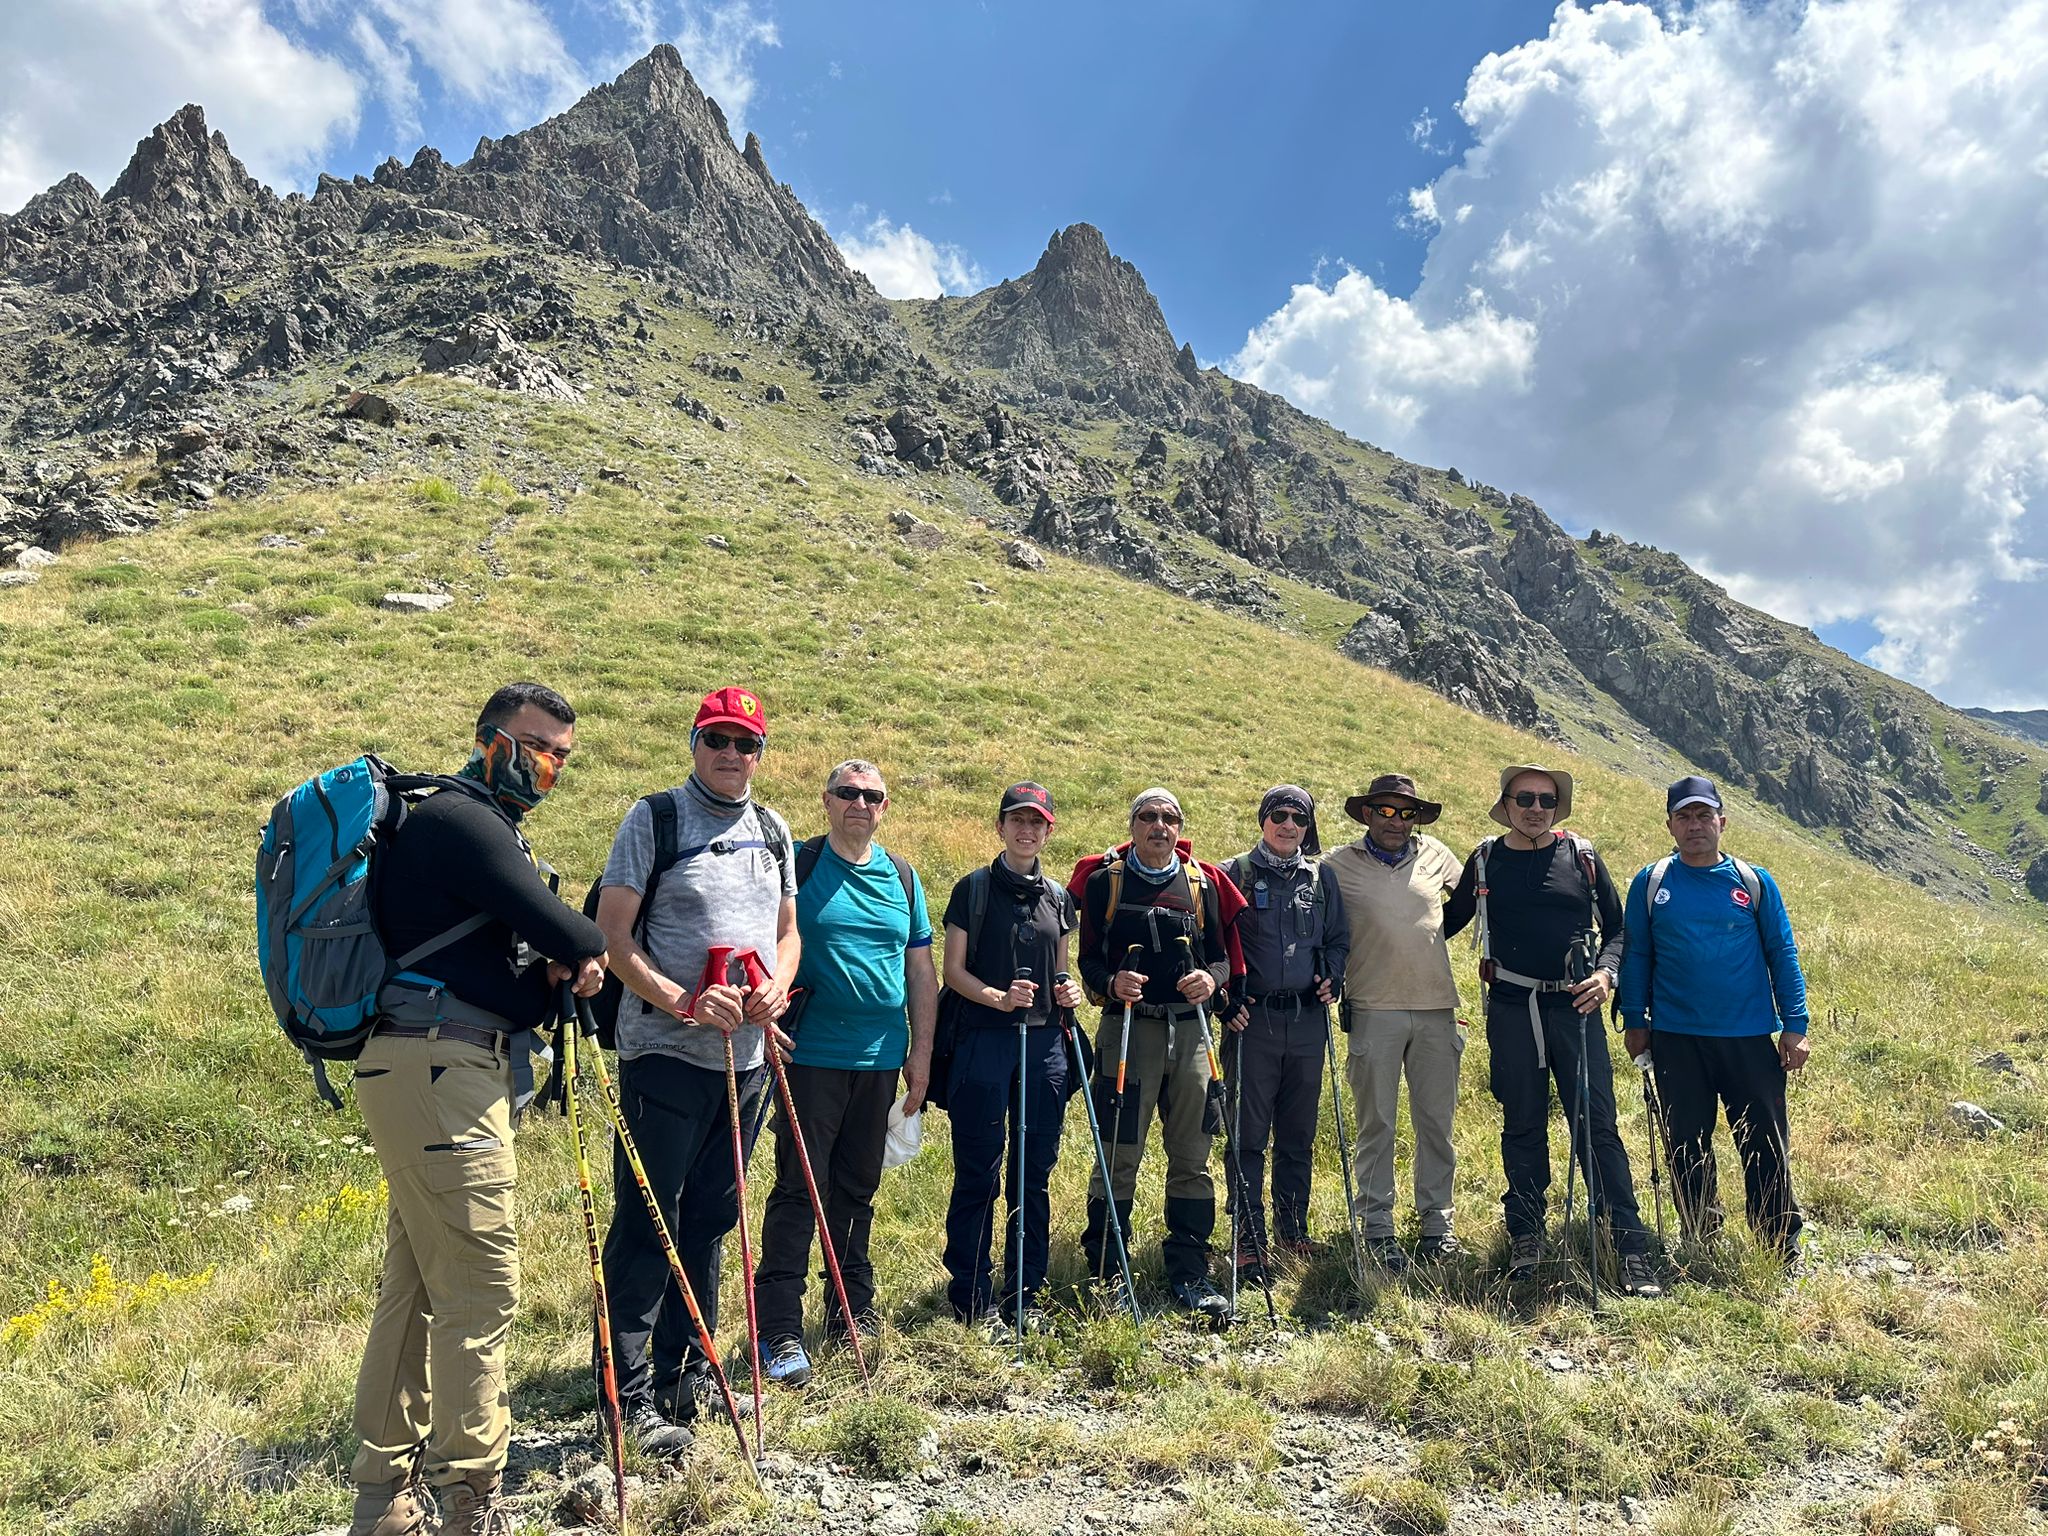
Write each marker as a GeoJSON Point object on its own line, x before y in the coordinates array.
{"type": "Point", "coordinates": [906, 1135]}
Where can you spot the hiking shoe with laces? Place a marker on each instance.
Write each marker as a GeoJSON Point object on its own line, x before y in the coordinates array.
{"type": "Point", "coordinates": [1205, 1301]}
{"type": "Point", "coordinates": [1439, 1248]}
{"type": "Point", "coordinates": [653, 1434]}
{"type": "Point", "coordinates": [475, 1509]}
{"type": "Point", "coordinates": [1638, 1278]}
{"type": "Point", "coordinates": [696, 1393]}
{"type": "Point", "coordinates": [1250, 1272]}
{"type": "Point", "coordinates": [396, 1508]}
{"type": "Point", "coordinates": [1388, 1254]}
{"type": "Point", "coordinates": [868, 1325]}
{"type": "Point", "coordinates": [787, 1364]}
{"type": "Point", "coordinates": [1525, 1252]}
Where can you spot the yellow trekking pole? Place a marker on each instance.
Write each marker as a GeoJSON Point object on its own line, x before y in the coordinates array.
{"type": "Point", "coordinates": [608, 1407]}
{"type": "Point", "coordinates": [661, 1232]}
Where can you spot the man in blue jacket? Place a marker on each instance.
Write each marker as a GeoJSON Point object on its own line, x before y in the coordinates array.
{"type": "Point", "coordinates": [1712, 968]}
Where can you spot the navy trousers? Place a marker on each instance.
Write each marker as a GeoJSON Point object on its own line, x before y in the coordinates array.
{"type": "Point", "coordinates": [983, 1100]}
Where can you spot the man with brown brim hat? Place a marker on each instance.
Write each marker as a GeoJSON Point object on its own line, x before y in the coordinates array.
{"type": "Point", "coordinates": [1550, 937]}
{"type": "Point", "coordinates": [1400, 1010]}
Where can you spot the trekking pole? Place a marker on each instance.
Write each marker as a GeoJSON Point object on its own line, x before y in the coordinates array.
{"type": "Point", "coordinates": [1653, 1113]}
{"type": "Point", "coordinates": [617, 1111]}
{"type": "Point", "coordinates": [1344, 1161]}
{"type": "Point", "coordinates": [1017, 1181]}
{"type": "Point", "coordinates": [1237, 1211]}
{"type": "Point", "coordinates": [718, 972]}
{"type": "Point", "coordinates": [608, 1375]}
{"type": "Point", "coordinates": [1583, 1147]}
{"type": "Point", "coordinates": [1116, 1122]}
{"type": "Point", "coordinates": [1230, 1158]}
{"type": "Point", "coordinates": [757, 972]}
{"type": "Point", "coordinates": [1116, 1225]}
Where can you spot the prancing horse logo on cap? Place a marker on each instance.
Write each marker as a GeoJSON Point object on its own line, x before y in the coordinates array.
{"type": "Point", "coordinates": [747, 705]}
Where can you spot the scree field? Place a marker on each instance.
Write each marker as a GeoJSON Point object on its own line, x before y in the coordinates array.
{"type": "Point", "coordinates": [189, 1244]}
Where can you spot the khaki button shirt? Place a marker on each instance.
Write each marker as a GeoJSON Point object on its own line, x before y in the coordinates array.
{"type": "Point", "coordinates": [1398, 955]}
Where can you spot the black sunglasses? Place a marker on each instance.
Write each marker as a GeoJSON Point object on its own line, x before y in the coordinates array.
{"type": "Point", "coordinates": [1288, 818]}
{"type": "Point", "coordinates": [852, 792]}
{"type": "Point", "coordinates": [1525, 798]}
{"type": "Point", "coordinates": [1156, 818]}
{"type": "Point", "coordinates": [718, 741]}
{"type": "Point", "coordinates": [1394, 812]}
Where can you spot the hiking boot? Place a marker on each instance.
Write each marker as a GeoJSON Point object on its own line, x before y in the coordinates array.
{"type": "Point", "coordinates": [1205, 1301]}
{"type": "Point", "coordinates": [696, 1392]}
{"type": "Point", "coordinates": [1388, 1254]}
{"type": "Point", "coordinates": [1036, 1323]}
{"type": "Point", "coordinates": [868, 1325]}
{"type": "Point", "coordinates": [1300, 1248]}
{"type": "Point", "coordinates": [1439, 1248]}
{"type": "Point", "coordinates": [1793, 1257]}
{"type": "Point", "coordinates": [653, 1434]}
{"type": "Point", "coordinates": [1250, 1272]}
{"type": "Point", "coordinates": [475, 1508]}
{"type": "Point", "coordinates": [787, 1364]}
{"type": "Point", "coordinates": [1638, 1278]}
{"type": "Point", "coordinates": [396, 1508]}
{"type": "Point", "coordinates": [1525, 1252]}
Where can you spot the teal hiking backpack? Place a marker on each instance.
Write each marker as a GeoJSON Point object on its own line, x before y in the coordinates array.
{"type": "Point", "coordinates": [323, 963]}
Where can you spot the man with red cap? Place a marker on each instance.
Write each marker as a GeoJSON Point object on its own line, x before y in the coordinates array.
{"type": "Point", "coordinates": [700, 865]}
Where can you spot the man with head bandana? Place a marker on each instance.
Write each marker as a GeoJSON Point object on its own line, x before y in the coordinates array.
{"type": "Point", "coordinates": [1144, 893]}
{"type": "Point", "coordinates": [727, 878]}
{"type": "Point", "coordinates": [1296, 942]}
{"type": "Point", "coordinates": [438, 1103]}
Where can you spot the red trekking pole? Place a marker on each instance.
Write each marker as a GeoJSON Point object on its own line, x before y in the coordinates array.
{"type": "Point", "coordinates": [717, 968]}
{"type": "Point", "coordinates": [756, 974]}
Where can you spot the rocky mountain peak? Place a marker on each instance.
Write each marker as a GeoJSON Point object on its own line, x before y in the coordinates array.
{"type": "Point", "coordinates": [1095, 305]}
{"type": "Point", "coordinates": [182, 167]}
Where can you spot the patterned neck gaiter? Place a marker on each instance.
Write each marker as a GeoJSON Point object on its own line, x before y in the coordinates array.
{"type": "Point", "coordinates": [518, 780]}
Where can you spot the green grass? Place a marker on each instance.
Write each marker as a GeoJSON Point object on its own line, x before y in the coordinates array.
{"type": "Point", "coordinates": [163, 691]}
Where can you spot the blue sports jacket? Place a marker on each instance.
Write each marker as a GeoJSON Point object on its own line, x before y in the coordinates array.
{"type": "Point", "coordinates": [1719, 968]}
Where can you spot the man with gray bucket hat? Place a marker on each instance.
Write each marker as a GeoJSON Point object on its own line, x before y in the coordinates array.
{"type": "Point", "coordinates": [1550, 938]}
{"type": "Point", "coordinates": [1400, 1010]}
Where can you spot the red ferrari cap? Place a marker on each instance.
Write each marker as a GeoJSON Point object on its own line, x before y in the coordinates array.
{"type": "Point", "coordinates": [732, 706]}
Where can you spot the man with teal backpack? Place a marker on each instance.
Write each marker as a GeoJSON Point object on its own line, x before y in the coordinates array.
{"type": "Point", "coordinates": [444, 898]}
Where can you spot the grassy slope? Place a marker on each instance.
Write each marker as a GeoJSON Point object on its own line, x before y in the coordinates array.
{"type": "Point", "coordinates": [142, 1084]}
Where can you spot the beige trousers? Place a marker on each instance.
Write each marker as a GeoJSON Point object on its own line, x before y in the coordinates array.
{"type": "Point", "coordinates": [433, 1373]}
{"type": "Point", "coordinates": [1426, 1044]}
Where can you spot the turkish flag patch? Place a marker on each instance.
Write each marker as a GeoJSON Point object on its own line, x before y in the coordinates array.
{"type": "Point", "coordinates": [1741, 896]}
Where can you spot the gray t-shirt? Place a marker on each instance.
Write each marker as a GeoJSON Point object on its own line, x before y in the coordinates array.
{"type": "Point", "coordinates": [728, 892]}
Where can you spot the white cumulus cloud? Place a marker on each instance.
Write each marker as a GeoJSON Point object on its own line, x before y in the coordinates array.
{"type": "Point", "coordinates": [1759, 283]}
{"type": "Point", "coordinates": [903, 264]}
{"type": "Point", "coordinates": [81, 81]}
{"type": "Point", "coordinates": [502, 55]}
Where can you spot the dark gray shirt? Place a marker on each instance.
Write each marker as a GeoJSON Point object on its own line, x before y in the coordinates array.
{"type": "Point", "coordinates": [1286, 944]}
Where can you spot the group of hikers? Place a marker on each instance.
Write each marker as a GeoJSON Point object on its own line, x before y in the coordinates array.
{"type": "Point", "coordinates": [745, 957]}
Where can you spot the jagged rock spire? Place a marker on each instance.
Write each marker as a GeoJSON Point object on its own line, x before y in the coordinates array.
{"type": "Point", "coordinates": [181, 165]}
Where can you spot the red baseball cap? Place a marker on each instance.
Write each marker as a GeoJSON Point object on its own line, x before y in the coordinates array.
{"type": "Point", "coordinates": [732, 706]}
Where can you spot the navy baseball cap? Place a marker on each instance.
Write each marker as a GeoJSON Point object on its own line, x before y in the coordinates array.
{"type": "Point", "coordinates": [1691, 790]}
{"type": "Point", "coordinates": [1027, 797]}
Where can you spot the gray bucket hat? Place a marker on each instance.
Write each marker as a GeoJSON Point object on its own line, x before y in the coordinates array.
{"type": "Point", "coordinates": [1514, 771]}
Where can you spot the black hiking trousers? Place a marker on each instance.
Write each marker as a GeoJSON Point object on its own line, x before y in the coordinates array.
{"type": "Point", "coordinates": [844, 1115]}
{"type": "Point", "coordinates": [1276, 1064]}
{"type": "Point", "coordinates": [1523, 1090]}
{"type": "Point", "coordinates": [1698, 1074]}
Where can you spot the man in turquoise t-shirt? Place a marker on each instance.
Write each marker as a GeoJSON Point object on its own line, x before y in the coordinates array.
{"type": "Point", "coordinates": [867, 966]}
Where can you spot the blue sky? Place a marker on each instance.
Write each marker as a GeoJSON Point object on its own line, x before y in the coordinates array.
{"type": "Point", "coordinates": [1750, 280]}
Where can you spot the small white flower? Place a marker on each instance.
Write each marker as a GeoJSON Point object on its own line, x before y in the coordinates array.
{"type": "Point", "coordinates": [236, 1205]}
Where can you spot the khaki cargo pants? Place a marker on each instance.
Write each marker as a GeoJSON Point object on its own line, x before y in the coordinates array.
{"type": "Point", "coordinates": [1425, 1045]}
{"type": "Point", "coordinates": [1166, 1056]}
{"type": "Point", "coordinates": [440, 1115]}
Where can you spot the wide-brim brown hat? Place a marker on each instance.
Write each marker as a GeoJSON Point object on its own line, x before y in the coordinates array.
{"type": "Point", "coordinates": [1514, 771]}
{"type": "Point", "coordinates": [1386, 786]}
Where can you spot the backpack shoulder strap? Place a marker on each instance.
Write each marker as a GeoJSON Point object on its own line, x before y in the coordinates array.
{"type": "Point", "coordinates": [807, 858]}
{"type": "Point", "coordinates": [1753, 885]}
{"type": "Point", "coordinates": [905, 876]}
{"type": "Point", "coordinates": [1657, 872]}
{"type": "Point", "coordinates": [1113, 862]}
{"type": "Point", "coordinates": [1196, 895]}
{"type": "Point", "coordinates": [978, 880]}
{"type": "Point", "coordinates": [661, 805]}
{"type": "Point", "coordinates": [1484, 933]}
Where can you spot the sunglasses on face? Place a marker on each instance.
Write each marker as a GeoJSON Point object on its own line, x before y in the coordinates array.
{"type": "Point", "coordinates": [718, 741]}
{"type": "Point", "coordinates": [1526, 798]}
{"type": "Point", "coordinates": [1287, 818]}
{"type": "Point", "coordinates": [1395, 812]}
{"type": "Point", "coordinates": [1158, 818]}
{"type": "Point", "coordinates": [852, 792]}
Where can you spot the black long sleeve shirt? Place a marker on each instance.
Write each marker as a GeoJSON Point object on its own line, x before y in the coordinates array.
{"type": "Point", "coordinates": [1131, 924]}
{"type": "Point", "coordinates": [1537, 906]}
{"type": "Point", "coordinates": [458, 855]}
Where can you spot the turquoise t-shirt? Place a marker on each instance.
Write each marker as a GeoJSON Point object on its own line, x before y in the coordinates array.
{"type": "Point", "coordinates": [855, 931]}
